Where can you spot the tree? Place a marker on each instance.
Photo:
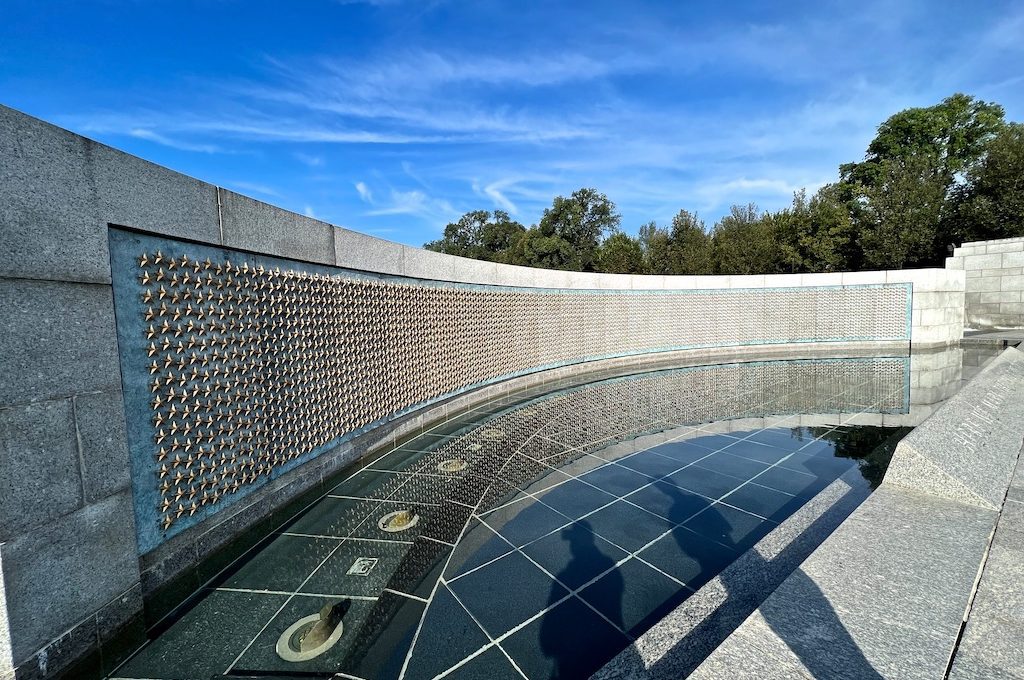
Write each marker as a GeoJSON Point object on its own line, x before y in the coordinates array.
{"type": "Point", "coordinates": [655, 244]}
{"type": "Point", "coordinates": [953, 134]}
{"type": "Point", "coordinates": [620, 254]}
{"type": "Point", "coordinates": [582, 220]}
{"type": "Point", "coordinates": [479, 236]}
{"type": "Point", "coordinates": [990, 205]}
{"type": "Point", "coordinates": [919, 154]}
{"type": "Point", "coordinates": [691, 250]}
{"type": "Point", "coordinates": [746, 243]}
{"type": "Point", "coordinates": [816, 235]}
{"type": "Point", "coordinates": [899, 222]}
{"type": "Point", "coordinates": [535, 249]}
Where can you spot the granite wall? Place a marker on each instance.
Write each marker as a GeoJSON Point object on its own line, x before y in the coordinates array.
{"type": "Point", "coordinates": [994, 283]}
{"type": "Point", "coordinates": [73, 579]}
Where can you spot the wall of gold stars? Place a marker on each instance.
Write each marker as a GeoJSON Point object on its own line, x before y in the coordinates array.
{"type": "Point", "coordinates": [252, 364]}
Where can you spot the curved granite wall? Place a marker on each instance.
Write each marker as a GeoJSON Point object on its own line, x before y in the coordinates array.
{"type": "Point", "coordinates": [406, 327]}
{"type": "Point", "coordinates": [238, 366]}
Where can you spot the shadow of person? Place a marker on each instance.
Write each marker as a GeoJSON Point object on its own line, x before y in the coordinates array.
{"type": "Point", "coordinates": [586, 561]}
{"type": "Point", "coordinates": [809, 626]}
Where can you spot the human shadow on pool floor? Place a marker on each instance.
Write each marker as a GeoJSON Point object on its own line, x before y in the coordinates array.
{"type": "Point", "coordinates": [814, 633]}
{"type": "Point", "coordinates": [586, 558]}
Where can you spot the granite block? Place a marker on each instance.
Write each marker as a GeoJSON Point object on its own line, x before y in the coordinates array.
{"type": "Point", "coordinates": [990, 650]}
{"type": "Point", "coordinates": [57, 339]}
{"type": "Point", "coordinates": [891, 610]}
{"type": "Point", "coordinates": [426, 264]}
{"type": "Point", "coordinates": [133, 192]}
{"type": "Point", "coordinates": [68, 570]}
{"type": "Point", "coordinates": [252, 225]}
{"type": "Point", "coordinates": [99, 418]}
{"type": "Point", "coordinates": [120, 628]}
{"type": "Point", "coordinates": [986, 261]}
{"type": "Point", "coordinates": [1010, 283]}
{"type": "Point", "coordinates": [39, 469]}
{"type": "Point", "coordinates": [50, 222]}
{"type": "Point", "coordinates": [1001, 589]}
{"type": "Point", "coordinates": [1009, 246]}
{"type": "Point", "coordinates": [72, 653]}
{"type": "Point", "coordinates": [367, 253]}
{"type": "Point", "coordinates": [1011, 259]}
{"type": "Point", "coordinates": [969, 450]}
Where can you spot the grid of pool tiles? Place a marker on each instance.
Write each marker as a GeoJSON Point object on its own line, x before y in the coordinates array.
{"type": "Point", "coordinates": [568, 554]}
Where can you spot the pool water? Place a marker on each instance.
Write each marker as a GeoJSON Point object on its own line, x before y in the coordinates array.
{"type": "Point", "coordinates": [539, 535]}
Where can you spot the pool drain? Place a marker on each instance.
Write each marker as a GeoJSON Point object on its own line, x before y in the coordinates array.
{"type": "Point", "coordinates": [312, 635]}
{"type": "Point", "coordinates": [399, 520]}
{"type": "Point", "coordinates": [452, 465]}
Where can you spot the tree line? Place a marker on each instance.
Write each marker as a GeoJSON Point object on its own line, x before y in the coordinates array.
{"type": "Point", "coordinates": [932, 177]}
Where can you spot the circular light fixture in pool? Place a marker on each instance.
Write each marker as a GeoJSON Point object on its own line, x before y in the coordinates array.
{"type": "Point", "coordinates": [399, 520]}
{"type": "Point", "coordinates": [312, 635]}
{"type": "Point", "coordinates": [452, 465]}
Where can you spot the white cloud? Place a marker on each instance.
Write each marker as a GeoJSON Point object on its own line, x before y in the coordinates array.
{"type": "Point", "coordinates": [493, 191]}
{"type": "Point", "coordinates": [309, 212]}
{"type": "Point", "coordinates": [310, 160]}
{"type": "Point", "coordinates": [418, 204]}
{"type": "Point", "coordinates": [364, 192]}
{"type": "Point", "coordinates": [253, 188]}
{"type": "Point", "coordinates": [151, 136]}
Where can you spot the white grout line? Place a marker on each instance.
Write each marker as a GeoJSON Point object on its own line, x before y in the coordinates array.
{"type": "Point", "coordinates": [346, 538]}
{"type": "Point", "coordinates": [285, 592]}
{"type": "Point", "coordinates": [481, 627]}
{"type": "Point", "coordinates": [379, 500]}
{"type": "Point", "coordinates": [526, 399]}
{"type": "Point", "coordinates": [408, 595]}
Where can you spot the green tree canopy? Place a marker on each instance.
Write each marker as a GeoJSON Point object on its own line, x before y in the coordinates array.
{"type": "Point", "coordinates": [990, 204]}
{"type": "Point", "coordinates": [581, 220]}
{"type": "Point", "coordinates": [620, 254]}
{"type": "Point", "coordinates": [481, 235]}
{"type": "Point", "coordinates": [746, 243]}
{"type": "Point", "coordinates": [952, 133]}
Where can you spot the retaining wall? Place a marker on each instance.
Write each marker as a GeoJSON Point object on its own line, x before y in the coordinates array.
{"type": "Point", "coordinates": [994, 282]}
{"type": "Point", "coordinates": [75, 558]}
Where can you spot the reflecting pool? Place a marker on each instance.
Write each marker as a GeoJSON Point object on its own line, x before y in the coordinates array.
{"type": "Point", "coordinates": [538, 535]}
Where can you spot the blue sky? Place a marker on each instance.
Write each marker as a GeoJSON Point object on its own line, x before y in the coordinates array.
{"type": "Point", "coordinates": [394, 117]}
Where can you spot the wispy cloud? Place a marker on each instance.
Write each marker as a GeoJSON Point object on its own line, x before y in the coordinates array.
{"type": "Point", "coordinates": [493, 191]}
{"type": "Point", "coordinates": [310, 160]}
{"type": "Point", "coordinates": [364, 192]}
{"type": "Point", "coordinates": [252, 188]}
{"type": "Point", "coordinates": [151, 136]}
{"type": "Point", "coordinates": [665, 108]}
{"type": "Point", "coordinates": [415, 203]}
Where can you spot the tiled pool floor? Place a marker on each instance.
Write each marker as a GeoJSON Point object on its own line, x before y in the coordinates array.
{"type": "Point", "coordinates": [572, 529]}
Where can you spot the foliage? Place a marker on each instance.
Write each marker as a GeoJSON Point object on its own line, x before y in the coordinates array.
{"type": "Point", "coordinates": [480, 235]}
{"type": "Point", "coordinates": [620, 254]}
{"type": "Point", "coordinates": [932, 177]}
{"type": "Point", "coordinates": [899, 223]}
{"type": "Point", "coordinates": [747, 243]}
{"type": "Point", "coordinates": [582, 220]}
{"type": "Point", "coordinates": [990, 205]}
